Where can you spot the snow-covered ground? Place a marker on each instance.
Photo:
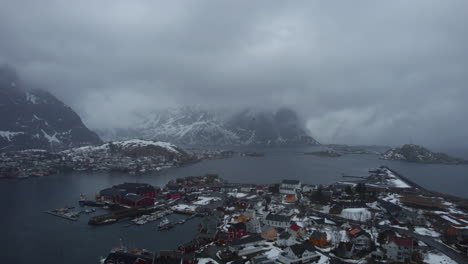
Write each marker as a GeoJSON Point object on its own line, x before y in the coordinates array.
{"type": "Point", "coordinates": [357, 214]}
{"type": "Point", "coordinates": [395, 181]}
{"type": "Point", "coordinates": [237, 195]}
{"type": "Point", "coordinates": [206, 260]}
{"type": "Point", "coordinates": [437, 258]}
{"type": "Point", "coordinates": [8, 134]}
{"type": "Point", "coordinates": [184, 207]}
{"type": "Point", "coordinates": [203, 200]}
{"type": "Point", "coordinates": [426, 232]}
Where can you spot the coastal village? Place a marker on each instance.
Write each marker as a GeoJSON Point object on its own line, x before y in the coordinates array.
{"type": "Point", "coordinates": [130, 156]}
{"type": "Point", "coordinates": [382, 218]}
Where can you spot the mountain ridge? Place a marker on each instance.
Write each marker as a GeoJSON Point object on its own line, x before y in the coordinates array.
{"type": "Point", "coordinates": [198, 126]}
{"type": "Point", "coordinates": [36, 119]}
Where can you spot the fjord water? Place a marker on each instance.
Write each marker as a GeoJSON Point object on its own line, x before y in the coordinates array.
{"type": "Point", "coordinates": [31, 236]}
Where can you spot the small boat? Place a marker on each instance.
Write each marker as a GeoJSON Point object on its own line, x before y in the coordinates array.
{"type": "Point", "coordinates": [164, 222]}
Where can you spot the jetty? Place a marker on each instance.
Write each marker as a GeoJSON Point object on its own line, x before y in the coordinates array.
{"type": "Point", "coordinates": [64, 213]}
{"type": "Point", "coordinates": [173, 224]}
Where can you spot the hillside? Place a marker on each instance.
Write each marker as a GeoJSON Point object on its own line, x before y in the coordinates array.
{"type": "Point", "coordinates": [35, 119]}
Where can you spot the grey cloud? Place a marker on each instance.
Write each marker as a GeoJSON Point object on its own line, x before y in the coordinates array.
{"type": "Point", "coordinates": [360, 72]}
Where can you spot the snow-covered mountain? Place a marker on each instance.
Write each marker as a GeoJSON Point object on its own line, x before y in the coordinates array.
{"type": "Point", "coordinates": [135, 148]}
{"type": "Point", "coordinates": [198, 126]}
{"type": "Point", "coordinates": [35, 119]}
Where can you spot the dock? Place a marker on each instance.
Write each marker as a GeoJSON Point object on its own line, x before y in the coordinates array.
{"type": "Point", "coordinates": [173, 224]}
{"type": "Point", "coordinates": [72, 216]}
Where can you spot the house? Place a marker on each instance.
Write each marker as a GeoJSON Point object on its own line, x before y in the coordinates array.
{"type": "Point", "coordinates": [361, 240]}
{"type": "Point", "coordinates": [253, 225]}
{"type": "Point", "coordinates": [308, 188]}
{"type": "Point", "coordinates": [208, 229]}
{"type": "Point", "coordinates": [290, 186]}
{"type": "Point", "coordinates": [399, 249]}
{"type": "Point", "coordinates": [246, 188]}
{"type": "Point", "coordinates": [229, 188]}
{"type": "Point", "coordinates": [269, 232]}
{"type": "Point", "coordinates": [296, 231]}
{"type": "Point", "coordinates": [344, 250]}
{"type": "Point", "coordinates": [277, 220]}
{"type": "Point", "coordinates": [172, 195]}
{"type": "Point", "coordinates": [285, 239]}
{"type": "Point", "coordinates": [237, 230]}
{"type": "Point", "coordinates": [111, 194]}
{"type": "Point", "coordinates": [252, 240]}
{"type": "Point", "coordinates": [118, 192]}
{"type": "Point", "coordinates": [261, 259]}
{"type": "Point", "coordinates": [390, 208]}
{"type": "Point", "coordinates": [190, 246]}
{"type": "Point", "coordinates": [319, 239]}
{"type": "Point", "coordinates": [336, 209]}
{"type": "Point", "coordinates": [290, 198]}
{"type": "Point", "coordinates": [300, 253]}
{"type": "Point", "coordinates": [136, 200]}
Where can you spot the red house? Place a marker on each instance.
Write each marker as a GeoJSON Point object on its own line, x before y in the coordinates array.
{"type": "Point", "coordinates": [171, 195]}
{"type": "Point", "coordinates": [136, 200]}
{"type": "Point", "coordinates": [117, 193]}
{"type": "Point", "coordinates": [237, 230]}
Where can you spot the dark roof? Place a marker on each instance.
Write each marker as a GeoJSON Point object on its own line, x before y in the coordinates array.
{"type": "Point", "coordinates": [247, 240]}
{"type": "Point", "coordinates": [278, 218]}
{"type": "Point", "coordinates": [362, 233]}
{"type": "Point", "coordinates": [239, 226]}
{"type": "Point", "coordinates": [134, 187]}
{"type": "Point", "coordinates": [111, 192]}
{"type": "Point", "coordinates": [390, 207]}
{"type": "Point", "coordinates": [284, 235]}
{"type": "Point", "coordinates": [318, 235]}
{"type": "Point", "coordinates": [300, 248]}
{"type": "Point", "coordinates": [402, 241]}
{"type": "Point", "coordinates": [290, 182]}
{"type": "Point", "coordinates": [134, 197]}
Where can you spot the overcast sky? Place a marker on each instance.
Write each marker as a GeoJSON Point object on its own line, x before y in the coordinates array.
{"type": "Point", "coordinates": [359, 72]}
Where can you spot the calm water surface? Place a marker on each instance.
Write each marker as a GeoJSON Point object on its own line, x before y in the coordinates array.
{"type": "Point", "coordinates": [31, 236]}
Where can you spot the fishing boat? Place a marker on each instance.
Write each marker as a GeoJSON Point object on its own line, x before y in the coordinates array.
{"type": "Point", "coordinates": [163, 223]}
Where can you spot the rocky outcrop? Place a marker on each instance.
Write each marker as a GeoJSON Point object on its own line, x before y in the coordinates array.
{"type": "Point", "coordinates": [416, 153]}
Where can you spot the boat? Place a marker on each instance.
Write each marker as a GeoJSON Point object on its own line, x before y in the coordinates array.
{"type": "Point", "coordinates": [123, 255]}
{"type": "Point", "coordinates": [164, 222]}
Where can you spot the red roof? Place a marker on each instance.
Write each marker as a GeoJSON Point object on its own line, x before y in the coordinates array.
{"type": "Point", "coordinates": [402, 241]}
{"type": "Point", "coordinates": [295, 227]}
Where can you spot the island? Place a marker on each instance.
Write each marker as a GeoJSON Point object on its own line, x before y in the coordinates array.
{"type": "Point", "coordinates": [416, 153]}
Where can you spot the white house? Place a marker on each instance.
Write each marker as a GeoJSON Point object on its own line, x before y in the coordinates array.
{"type": "Point", "coordinates": [290, 186]}
{"type": "Point", "coordinates": [285, 239]}
{"type": "Point", "coordinates": [277, 220]}
{"type": "Point", "coordinates": [301, 253]}
{"type": "Point", "coordinates": [399, 249]}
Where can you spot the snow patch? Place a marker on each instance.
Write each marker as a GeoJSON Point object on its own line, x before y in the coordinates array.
{"type": "Point", "coordinates": [52, 138]}
{"type": "Point", "coordinates": [357, 214]}
{"type": "Point", "coordinates": [8, 134]}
